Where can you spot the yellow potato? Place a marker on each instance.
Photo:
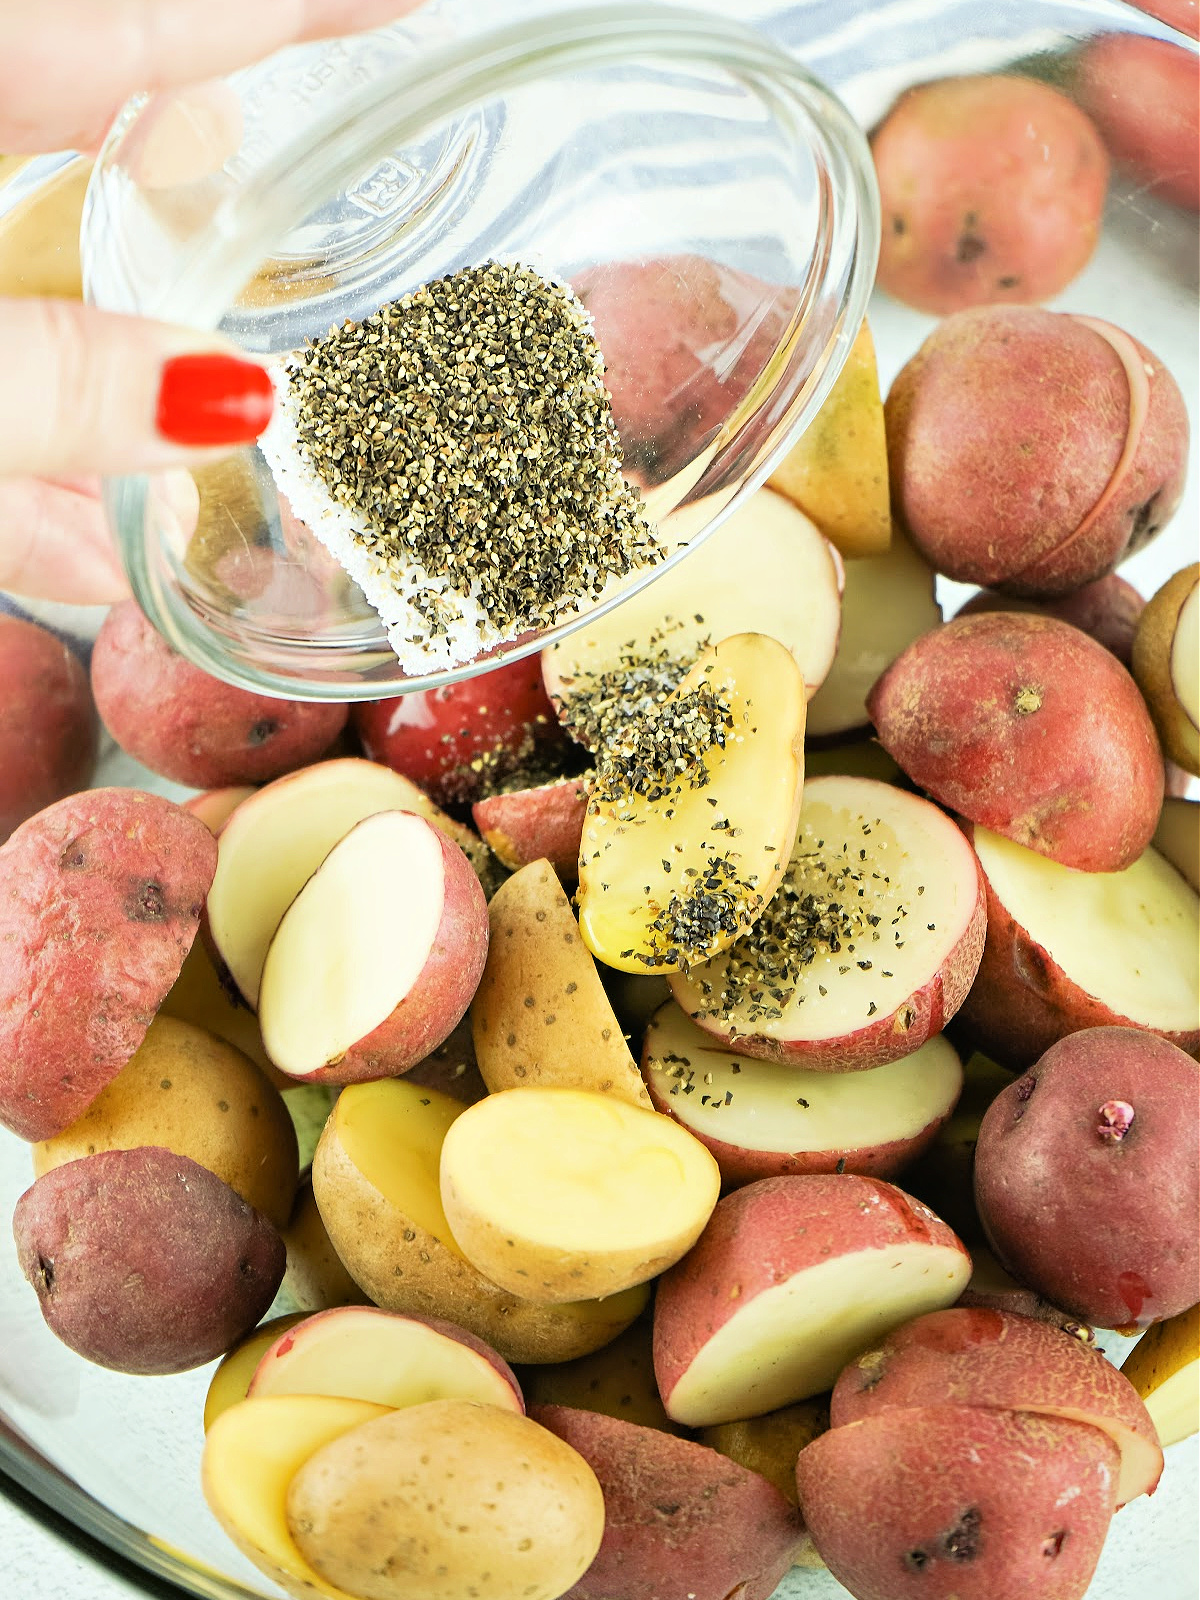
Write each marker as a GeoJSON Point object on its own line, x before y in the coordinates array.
{"type": "Point", "coordinates": [195, 1095]}
{"type": "Point", "coordinates": [252, 1453]}
{"type": "Point", "coordinates": [617, 1381]}
{"type": "Point", "coordinates": [837, 471]}
{"type": "Point", "coordinates": [691, 821]}
{"type": "Point", "coordinates": [198, 996]}
{"type": "Point", "coordinates": [315, 1278]}
{"type": "Point", "coordinates": [540, 1014]}
{"type": "Point", "coordinates": [376, 1182]}
{"type": "Point", "coordinates": [1164, 1368]}
{"type": "Point", "coordinates": [231, 1381]}
{"type": "Point", "coordinates": [558, 1193]}
{"type": "Point", "coordinates": [444, 1500]}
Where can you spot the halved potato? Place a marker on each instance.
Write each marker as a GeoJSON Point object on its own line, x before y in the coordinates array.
{"type": "Point", "coordinates": [557, 1194]}
{"type": "Point", "coordinates": [868, 949]}
{"type": "Point", "coordinates": [694, 811]}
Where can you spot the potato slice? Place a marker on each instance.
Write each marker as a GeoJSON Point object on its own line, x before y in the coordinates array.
{"type": "Point", "coordinates": [540, 1014]}
{"type": "Point", "coordinates": [375, 1177]}
{"type": "Point", "coordinates": [765, 569]}
{"type": "Point", "coordinates": [251, 1454]}
{"type": "Point", "coordinates": [230, 1383]}
{"type": "Point", "coordinates": [558, 1193]}
{"type": "Point", "coordinates": [1177, 837]}
{"type": "Point", "coordinates": [275, 840]}
{"type": "Point", "coordinates": [1166, 664]}
{"type": "Point", "coordinates": [837, 470]}
{"type": "Point", "coordinates": [694, 812]}
{"type": "Point", "coordinates": [1164, 1368]}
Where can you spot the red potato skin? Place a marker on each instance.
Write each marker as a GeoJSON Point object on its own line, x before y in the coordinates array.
{"type": "Point", "coordinates": [1044, 1174]}
{"type": "Point", "coordinates": [1004, 431]}
{"type": "Point", "coordinates": [983, 713]}
{"type": "Point", "coordinates": [740, 1166]}
{"type": "Point", "coordinates": [681, 1521]}
{"type": "Point", "coordinates": [438, 1000]}
{"type": "Point", "coordinates": [459, 741]}
{"type": "Point", "coordinates": [189, 726]}
{"type": "Point", "coordinates": [47, 724]}
{"type": "Point", "coordinates": [958, 1503]}
{"type": "Point", "coordinates": [100, 900]}
{"type": "Point", "coordinates": [1106, 610]}
{"type": "Point", "coordinates": [974, 1357]}
{"type": "Point", "coordinates": [658, 323]}
{"type": "Point", "coordinates": [794, 1223]}
{"type": "Point", "coordinates": [544, 823]}
{"type": "Point", "coordinates": [992, 189]}
{"type": "Point", "coordinates": [1022, 1001]}
{"type": "Point", "coordinates": [1141, 94]}
{"type": "Point", "coordinates": [144, 1261]}
{"type": "Point", "coordinates": [448, 1330]}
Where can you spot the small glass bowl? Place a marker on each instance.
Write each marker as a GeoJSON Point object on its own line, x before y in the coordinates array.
{"type": "Point", "coordinates": [667, 164]}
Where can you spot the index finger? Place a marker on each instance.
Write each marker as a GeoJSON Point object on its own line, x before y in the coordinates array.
{"type": "Point", "coordinates": [66, 66]}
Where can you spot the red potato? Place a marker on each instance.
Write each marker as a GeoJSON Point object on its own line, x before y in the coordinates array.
{"type": "Point", "coordinates": [1032, 451]}
{"type": "Point", "coordinates": [868, 948]}
{"type": "Point", "coordinates": [144, 1261]}
{"type": "Point", "coordinates": [363, 1353]}
{"type": "Point", "coordinates": [191, 727]}
{"type": "Point", "coordinates": [681, 1521]}
{"type": "Point", "coordinates": [1107, 610]}
{"type": "Point", "coordinates": [992, 189]}
{"type": "Point", "coordinates": [792, 1278]}
{"type": "Point", "coordinates": [972, 1357]}
{"type": "Point", "coordinates": [763, 1119]}
{"type": "Point", "coordinates": [47, 725]}
{"type": "Point", "coordinates": [684, 341]}
{"type": "Point", "coordinates": [1141, 94]}
{"type": "Point", "coordinates": [1105, 1126]}
{"type": "Point", "coordinates": [1067, 950]}
{"type": "Point", "coordinates": [543, 823]}
{"type": "Point", "coordinates": [100, 901]}
{"type": "Point", "coordinates": [377, 958]}
{"type": "Point", "coordinates": [959, 1503]}
{"type": "Point", "coordinates": [983, 713]}
{"type": "Point", "coordinates": [461, 741]}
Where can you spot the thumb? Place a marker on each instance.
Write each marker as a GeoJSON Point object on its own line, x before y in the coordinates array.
{"type": "Point", "coordinates": [84, 391]}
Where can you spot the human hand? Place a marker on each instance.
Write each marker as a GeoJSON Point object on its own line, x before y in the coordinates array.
{"type": "Point", "coordinates": [84, 391]}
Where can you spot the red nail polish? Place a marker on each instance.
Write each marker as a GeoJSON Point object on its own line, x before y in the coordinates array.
{"type": "Point", "coordinates": [208, 399]}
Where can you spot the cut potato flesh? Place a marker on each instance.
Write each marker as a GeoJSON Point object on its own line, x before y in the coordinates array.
{"type": "Point", "coordinates": [1177, 837]}
{"type": "Point", "coordinates": [562, 1194]}
{"type": "Point", "coordinates": [251, 1454]}
{"type": "Point", "coordinates": [881, 892]}
{"type": "Point", "coordinates": [276, 840]}
{"type": "Point", "coordinates": [1164, 1368]}
{"type": "Point", "coordinates": [353, 943]}
{"type": "Point", "coordinates": [675, 864]}
{"type": "Point", "coordinates": [791, 1341]}
{"type": "Point", "coordinates": [361, 1353]}
{"type": "Point", "coordinates": [769, 1106]}
{"type": "Point", "coordinates": [393, 1133]}
{"type": "Point", "coordinates": [1185, 657]}
{"type": "Point", "coordinates": [231, 1381]}
{"type": "Point", "coordinates": [888, 602]}
{"type": "Point", "coordinates": [766, 569]}
{"type": "Point", "coordinates": [1129, 938]}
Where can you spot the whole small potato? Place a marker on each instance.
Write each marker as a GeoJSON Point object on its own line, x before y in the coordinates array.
{"type": "Point", "coordinates": [145, 1262]}
{"type": "Point", "coordinates": [1086, 1177]}
{"type": "Point", "coordinates": [101, 900]}
{"type": "Point", "coordinates": [992, 188]}
{"type": "Point", "coordinates": [190, 1092]}
{"type": "Point", "coordinates": [447, 1499]}
{"type": "Point", "coordinates": [191, 727]}
{"type": "Point", "coordinates": [1141, 94]}
{"type": "Point", "coordinates": [47, 725]}
{"type": "Point", "coordinates": [1032, 451]}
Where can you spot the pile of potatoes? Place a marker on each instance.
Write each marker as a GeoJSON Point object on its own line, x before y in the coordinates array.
{"type": "Point", "coordinates": [600, 1280]}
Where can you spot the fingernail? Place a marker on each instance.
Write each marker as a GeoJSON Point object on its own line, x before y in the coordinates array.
{"type": "Point", "coordinates": [213, 399]}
